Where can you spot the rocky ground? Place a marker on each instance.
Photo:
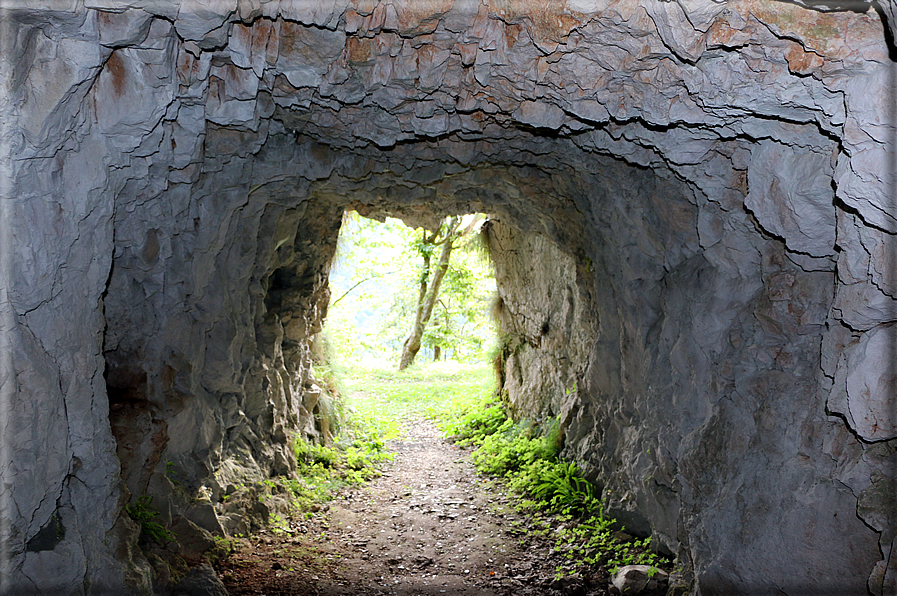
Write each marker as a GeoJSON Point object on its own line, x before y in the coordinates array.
{"type": "Point", "coordinates": [429, 525]}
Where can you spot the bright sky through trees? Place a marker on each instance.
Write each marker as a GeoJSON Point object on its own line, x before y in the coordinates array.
{"type": "Point", "coordinates": [374, 285]}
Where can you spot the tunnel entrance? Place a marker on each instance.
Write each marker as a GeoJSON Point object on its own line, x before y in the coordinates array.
{"type": "Point", "coordinates": [401, 299]}
{"type": "Point", "coordinates": [693, 244]}
{"type": "Point", "coordinates": [606, 270]}
{"type": "Point", "coordinates": [427, 522]}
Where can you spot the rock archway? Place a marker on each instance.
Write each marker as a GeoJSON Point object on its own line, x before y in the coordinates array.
{"type": "Point", "coordinates": [694, 234]}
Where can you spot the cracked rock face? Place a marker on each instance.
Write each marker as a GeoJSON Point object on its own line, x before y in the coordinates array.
{"type": "Point", "coordinates": [694, 229]}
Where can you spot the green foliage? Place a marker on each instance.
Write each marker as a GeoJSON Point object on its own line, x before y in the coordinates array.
{"type": "Point", "coordinates": [278, 524]}
{"type": "Point", "coordinates": [354, 455]}
{"type": "Point", "coordinates": [526, 456]}
{"type": "Point", "coordinates": [558, 486]}
{"type": "Point", "coordinates": [460, 317]}
{"type": "Point", "coordinates": [480, 421]}
{"type": "Point", "coordinates": [593, 541]}
{"type": "Point", "coordinates": [381, 399]}
{"type": "Point", "coordinates": [223, 548]}
{"type": "Point", "coordinates": [386, 397]}
{"type": "Point", "coordinates": [354, 458]}
{"type": "Point", "coordinates": [512, 449]}
{"type": "Point", "coordinates": [145, 516]}
{"type": "Point", "coordinates": [309, 453]}
{"type": "Point", "coordinates": [312, 485]}
{"type": "Point", "coordinates": [375, 286]}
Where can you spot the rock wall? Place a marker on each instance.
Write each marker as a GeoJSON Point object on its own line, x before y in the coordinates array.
{"type": "Point", "coordinates": [546, 320]}
{"type": "Point", "coordinates": [695, 210]}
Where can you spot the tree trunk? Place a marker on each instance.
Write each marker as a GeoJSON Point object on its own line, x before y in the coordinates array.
{"type": "Point", "coordinates": [426, 303]}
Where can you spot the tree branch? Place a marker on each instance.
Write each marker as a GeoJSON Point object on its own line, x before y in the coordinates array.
{"type": "Point", "coordinates": [346, 293]}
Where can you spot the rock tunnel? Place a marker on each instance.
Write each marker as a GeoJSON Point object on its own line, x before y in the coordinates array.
{"type": "Point", "coordinates": [693, 212]}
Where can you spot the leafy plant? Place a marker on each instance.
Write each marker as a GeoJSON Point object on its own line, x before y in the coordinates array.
{"type": "Point", "coordinates": [223, 547]}
{"type": "Point", "coordinates": [557, 485]}
{"type": "Point", "coordinates": [512, 449]}
{"type": "Point", "coordinates": [278, 524]}
{"type": "Point", "coordinates": [526, 456]}
{"type": "Point", "coordinates": [481, 420]}
{"type": "Point", "coordinates": [310, 453]}
{"type": "Point", "coordinates": [145, 516]}
{"type": "Point", "coordinates": [354, 457]}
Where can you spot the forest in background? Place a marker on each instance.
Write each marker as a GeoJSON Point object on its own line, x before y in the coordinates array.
{"type": "Point", "coordinates": [375, 285]}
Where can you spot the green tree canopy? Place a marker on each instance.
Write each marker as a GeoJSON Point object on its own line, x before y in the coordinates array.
{"type": "Point", "coordinates": [376, 282]}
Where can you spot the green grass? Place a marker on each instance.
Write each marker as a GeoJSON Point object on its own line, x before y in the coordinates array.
{"type": "Point", "coordinates": [375, 405]}
{"type": "Point", "coordinates": [388, 398]}
{"type": "Point", "coordinates": [354, 457]}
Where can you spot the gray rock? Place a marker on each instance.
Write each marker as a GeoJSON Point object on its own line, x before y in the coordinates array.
{"type": "Point", "coordinates": [639, 579]}
{"type": "Point", "coordinates": [200, 581]}
{"type": "Point", "coordinates": [540, 114]}
{"type": "Point", "coordinates": [790, 195]}
{"type": "Point", "coordinates": [866, 379]}
{"type": "Point", "coordinates": [192, 541]}
{"type": "Point", "coordinates": [695, 237]}
{"type": "Point", "coordinates": [203, 515]}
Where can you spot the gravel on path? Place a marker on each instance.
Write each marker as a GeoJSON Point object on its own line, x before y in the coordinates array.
{"type": "Point", "coordinates": [429, 526]}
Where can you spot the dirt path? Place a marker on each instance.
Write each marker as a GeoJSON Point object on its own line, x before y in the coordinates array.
{"type": "Point", "coordinates": [428, 526]}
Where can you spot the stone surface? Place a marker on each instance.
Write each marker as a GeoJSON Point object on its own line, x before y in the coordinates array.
{"type": "Point", "coordinates": [695, 208]}
{"type": "Point", "coordinates": [545, 325]}
{"type": "Point", "coordinates": [639, 579]}
{"type": "Point", "coordinates": [200, 581]}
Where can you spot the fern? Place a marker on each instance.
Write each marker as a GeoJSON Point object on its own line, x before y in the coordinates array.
{"type": "Point", "coordinates": [145, 517]}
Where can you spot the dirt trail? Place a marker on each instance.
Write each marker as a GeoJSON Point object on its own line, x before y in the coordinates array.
{"type": "Point", "coordinates": [428, 526]}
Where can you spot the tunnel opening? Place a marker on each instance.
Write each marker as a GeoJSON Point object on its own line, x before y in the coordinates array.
{"type": "Point", "coordinates": [694, 244]}
{"type": "Point", "coordinates": [546, 312]}
{"type": "Point", "coordinates": [382, 278]}
{"type": "Point", "coordinates": [566, 216]}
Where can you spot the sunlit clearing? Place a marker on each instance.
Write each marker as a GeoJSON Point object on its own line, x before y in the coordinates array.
{"type": "Point", "coordinates": [375, 285]}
